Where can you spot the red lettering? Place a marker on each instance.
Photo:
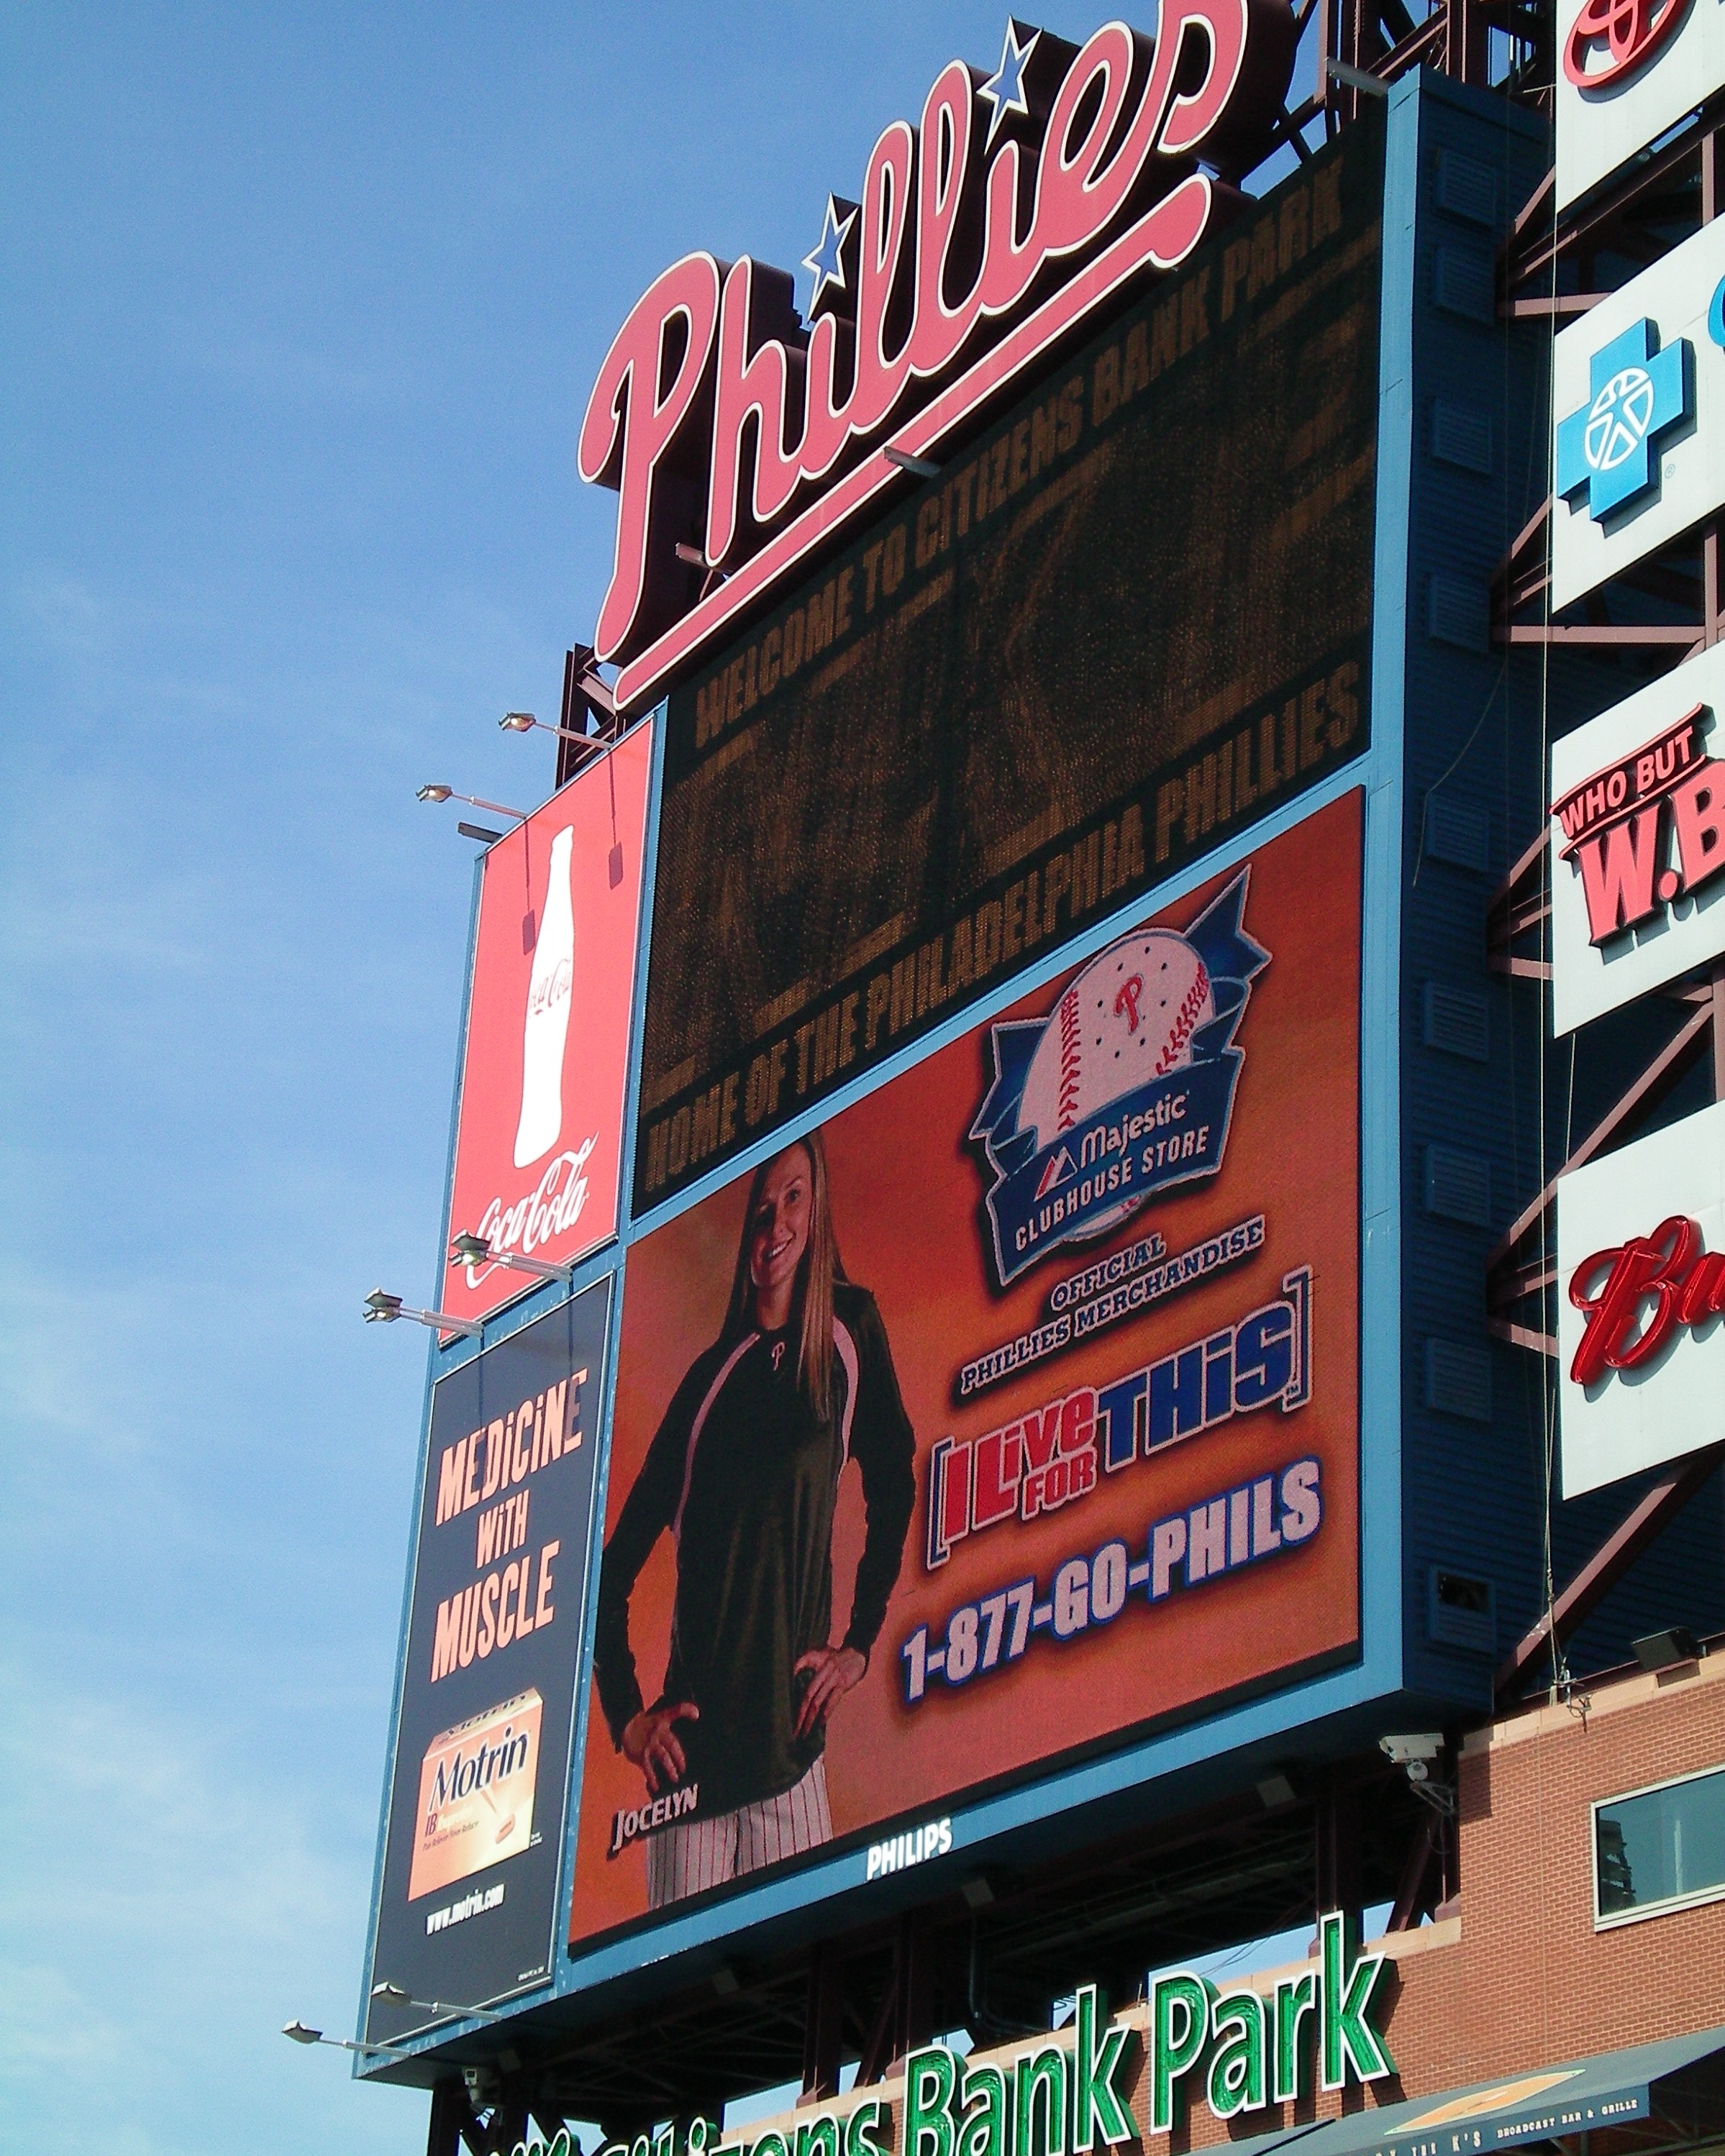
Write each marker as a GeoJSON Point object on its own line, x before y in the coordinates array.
{"type": "Point", "coordinates": [999, 1464]}
{"type": "Point", "coordinates": [1699, 814]}
{"type": "Point", "coordinates": [1041, 1432]}
{"type": "Point", "coordinates": [757, 324]}
{"type": "Point", "coordinates": [699, 391]}
{"type": "Point", "coordinates": [1610, 1287]}
{"type": "Point", "coordinates": [1617, 872]}
{"type": "Point", "coordinates": [943, 186]}
{"type": "Point", "coordinates": [636, 420]}
{"type": "Point", "coordinates": [1077, 1424]}
{"type": "Point", "coordinates": [955, 1495]}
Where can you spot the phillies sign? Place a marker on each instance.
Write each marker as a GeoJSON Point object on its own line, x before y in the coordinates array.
{"type": "Point", "coordinates": [1641, 1261]}
{"type": "Point", "coordinates": [739, 437]}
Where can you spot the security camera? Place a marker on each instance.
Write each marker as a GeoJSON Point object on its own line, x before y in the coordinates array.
{"type": "Point", "coordinates": [481, 2085]}
{"type": "Point", "coordinates": [1411, 1751]}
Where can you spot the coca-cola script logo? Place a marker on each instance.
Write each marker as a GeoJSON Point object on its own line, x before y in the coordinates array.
{"type": "Point", "coordinates": [1622, 823]}
{"type": "Point", "coordinates": [1634, 1297]}
{"type": "Point", "coordinates": [1023, 200]}
{"type": "Point", "coordinates": [548, 1210]}
{"type": "Point", "coordinates": [1612, 39]}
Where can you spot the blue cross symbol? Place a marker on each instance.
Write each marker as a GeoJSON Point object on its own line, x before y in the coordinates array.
{"type": "Point", "coordinates": [1606, 446]}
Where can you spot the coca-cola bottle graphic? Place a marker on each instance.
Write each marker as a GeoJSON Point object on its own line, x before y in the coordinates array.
{"type": "Point", "coordinates": [547, 1016]}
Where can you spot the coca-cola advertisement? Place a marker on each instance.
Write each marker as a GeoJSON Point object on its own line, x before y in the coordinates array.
{"type": "Point", "coordinates": [538, 1137]}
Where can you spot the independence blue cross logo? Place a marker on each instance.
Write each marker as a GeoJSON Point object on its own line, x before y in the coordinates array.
{"type": "Point", "coordinates": [1607, 445]}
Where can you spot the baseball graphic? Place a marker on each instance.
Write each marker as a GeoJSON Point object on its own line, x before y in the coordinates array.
{"type": "Point", "coordinates": [1128, 1018]}
{"type": "Point", "coordinates": [1124, 1090]}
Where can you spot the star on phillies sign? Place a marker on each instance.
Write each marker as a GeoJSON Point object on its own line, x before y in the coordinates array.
{"type": "Point", "coordinates": [740, 436]}
{"type": "Point", "coordinates": [1125, 1090]}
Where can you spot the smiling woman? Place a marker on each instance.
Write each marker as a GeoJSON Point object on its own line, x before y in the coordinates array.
{"type": "Point", "coordinates": [743, 1475]}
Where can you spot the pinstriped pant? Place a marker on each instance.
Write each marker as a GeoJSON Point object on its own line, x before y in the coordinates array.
{"type": "Point", "coordinates": [695, 1854]}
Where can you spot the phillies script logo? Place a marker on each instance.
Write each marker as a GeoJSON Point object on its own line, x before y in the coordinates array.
{"type": "Point", "coordinates": [1620, 824]}
{"type": "Point", "coordinates": [1612, 39]}
{"type": "Point", "coordinates": [1021, 202]}
{"type": "Point", "coordinates": [1634, 1297]}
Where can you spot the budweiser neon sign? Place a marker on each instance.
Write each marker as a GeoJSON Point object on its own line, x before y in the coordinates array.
{"type": "Point", "coordinates": [732, 429]}
{"type": "Point", "coordinates": [1634, 1297]}
{"type": "Point", "coordinates": [1622, 826]}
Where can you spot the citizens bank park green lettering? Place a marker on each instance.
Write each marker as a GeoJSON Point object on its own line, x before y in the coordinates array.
{"type": "Point", "coordinates": [1241, 2050]}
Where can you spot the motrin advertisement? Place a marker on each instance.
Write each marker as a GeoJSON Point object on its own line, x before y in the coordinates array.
{"type": "Point", "coordinates": [1012, 1410]}
{"type": "Point", "coordinates": [1638, 396]}
{"type": "Point", "coordinates": [1642, 1285]}
{"type": "Point", "coordinates": [1627, 70]}
{"type": "Point", "coordinates": [1638, 844]}
{"type": "Point", "coordinates": [475, 1809]}
{"type": "Point", "coordinates": [539, 1131]}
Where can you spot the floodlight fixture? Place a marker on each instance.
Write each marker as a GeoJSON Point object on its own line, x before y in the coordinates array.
{"type": "Point", "coordinates": [435, 792]}
{"type": "Point", "coordinates": [393, 1995]}
{"type": "Point", "coordinates": [523, 722]}
{"type": "Point", "coordinates": [693, 555]}
{"type": "Point", "coordinates": [918, 467]}
{"type": "Point", "coordinates": [297, 2032]}
{"type": "Point", "coordinates": [475, 1250]}
{"type": "Point", "coordinates": [381, 1308]}
{"type": "Point", "coordinates": [1668, 1650]}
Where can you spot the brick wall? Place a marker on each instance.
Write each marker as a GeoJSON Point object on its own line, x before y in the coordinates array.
{"type": "Point", "coordinates": [1543, 1985]}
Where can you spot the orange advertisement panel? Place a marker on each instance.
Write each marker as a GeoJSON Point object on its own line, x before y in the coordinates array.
{"type": "Point", "coordinates": [539, 1138]}
{"type": "Point", "coordinates": [1015, 1411]}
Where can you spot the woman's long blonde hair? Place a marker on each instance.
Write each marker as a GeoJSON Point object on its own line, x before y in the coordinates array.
{"type": "Point", "coordinates": [811, 1299]}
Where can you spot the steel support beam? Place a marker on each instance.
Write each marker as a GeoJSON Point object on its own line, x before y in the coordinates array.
{"type": "Point", "coordinates": [1643, 1527]}
{"type": "Point", "coordinates": [822, 2025]}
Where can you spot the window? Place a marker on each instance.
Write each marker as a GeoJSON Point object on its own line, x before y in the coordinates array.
{"type": "Point", "coordinates": [1660, 1849]}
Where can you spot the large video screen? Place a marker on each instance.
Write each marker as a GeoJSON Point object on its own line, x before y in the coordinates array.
{"type": "Point", "coordinates": [1012, 1411]}
{"type": "Point", "coordinates": [1129, 622]}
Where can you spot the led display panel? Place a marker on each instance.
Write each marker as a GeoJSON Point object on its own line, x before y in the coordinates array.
{"type": "Point", "coordinates": [1014, 1410]}
{"type": "Point", "coordinates": [1123, 625]}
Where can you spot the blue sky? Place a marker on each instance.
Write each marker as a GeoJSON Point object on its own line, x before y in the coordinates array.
{"type": "Point", "coordinates": [302, 309]}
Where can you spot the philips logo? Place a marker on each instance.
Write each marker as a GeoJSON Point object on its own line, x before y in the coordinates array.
{"type": "Point", "coordinates": [903, 1850]}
